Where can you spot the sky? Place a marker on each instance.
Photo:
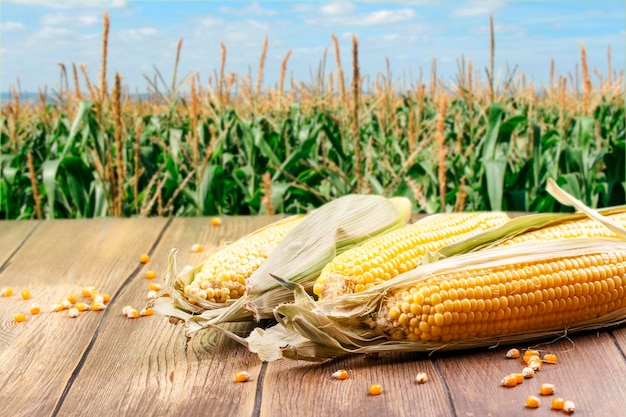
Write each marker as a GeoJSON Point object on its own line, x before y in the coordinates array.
{"type": "Point", "coordinates": [37, 35]}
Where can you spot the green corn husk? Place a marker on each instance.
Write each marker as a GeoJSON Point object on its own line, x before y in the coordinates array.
{"type": "Point", "coordinates": [318, 331]}
{"type": "Point", "coordinates": [297, 260]}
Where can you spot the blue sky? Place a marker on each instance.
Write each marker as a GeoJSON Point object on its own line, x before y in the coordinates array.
{"type": "Point", "coordinates": [38, 34]}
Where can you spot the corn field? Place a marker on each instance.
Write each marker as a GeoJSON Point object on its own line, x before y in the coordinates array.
{"type": "Point", "coordinates": [231, 147]}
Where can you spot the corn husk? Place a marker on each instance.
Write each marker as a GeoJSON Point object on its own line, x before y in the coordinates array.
{"type": "Point", "coordinates": [318, 331]}
{"type": "Point", "coordinates": [297, 260]}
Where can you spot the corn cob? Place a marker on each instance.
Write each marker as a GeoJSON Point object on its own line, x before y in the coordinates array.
{"type": "Point", "coordinates": [387, 256]}
{"type": "Point", "coordinates": [507, 298]}
{"type": "Point", "coordinates": [222, 276]}
{"type": "Point", "coordinates": [584, 227]}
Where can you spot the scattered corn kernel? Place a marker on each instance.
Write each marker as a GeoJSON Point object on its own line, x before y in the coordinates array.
{"type": "Point", "coordinates": [146, 312]}
{"type": "Point", "coordinates": [132, 314]}
{"type": "Point", "coordinates": [35, 309]}
{"type": "Point", "coordinates": [569, 407]}
{"type": "Point", "coordinates": [558, 403]}
{"type": "Point", "coordinates": [144, 258]}
{"type": "Point", "coordinates": [519, 377]}
{"type": "Point", "coordinates": [529, 353]}
{"type": "Point", "coordinates": [66, 303]}
{"type": "Point", "coordinates": [57, 307]}
{"type": "Point", "coordinates": [71, 298]}
{"type": "Point", "coordinates": [150, 275]}
{"type": "Point", "coordinates": [98, 298]}
{"type": "Point", "coordinates": [19, 317]}
{"type": "Point", "coordinates": [546, 389]}
{"type": "Point", "coordinates": [73, 312]}
{"type": "Point", "coordinates": [97, 306]}
{"type": "Point", "coordinates": [82, 306]}
{"type": "Point", "coordinates": [7, 292]}
{"type": "Point", "coordinates": [127, 309]}
{"type": "Point", "coordinates": [421, 377]}
{"type": "Point", "coordinates": [550, 358]}
{"type": "Point", "coordinates": [340, 374]}
{"type": "Point", "coordinates": [89, 291]}
{"type": "Point", "coordinates": [155, 287]}
{"type": "Point", "coordinates": [196, 247]}
{"type": "Point", "coordinates": [513, 353]}
{"type": "Point", "coordinates": [216, 221]}
{"type": "Point", "coordinates": [509, 380]}
{"type": "Point", "coordinates": [105, 297]}
{"type": "Point", "coordinates": [25, 295]}
{"type": "Point", "coordinates": [242, 376]}
{"type": "Point", "coordinates": [535, 364]}
{"type": "Point", "coordinates": [528, 372]}
{"type": "Point", "coordinates": [152, 295]}
{"type": "Point", "coordinates": [532, 402]}
{"type": "Point", "coordinates": [375, 389]}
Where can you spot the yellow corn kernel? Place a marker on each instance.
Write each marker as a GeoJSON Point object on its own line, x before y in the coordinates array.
{"type": "Point", "coordinates": [585, 227]}
{"type": "Point", "coordinates": [535, 364]}
{"type": "Point", "coordinates": [150, 275]}
{"type": "Point", "coordinates": [82, 306]}
{"type": "Point", "coordinates": [550, 358]}
{"type": "Point", "coordinates": [89, 291]}
{"type": "Point", "coordinates": [242, 376]}
{"type": "Point", "coordinates": [66, 303]}
{"type": "Point", "coordinates": [340, 374]}
{"type": "Point", "coordinates": [152, 295]}
{"type": "Point", "coordinates": [529, 353]}
{"type": "Point", "coordinates": [146, 312]}
{"type": "Point", "coordinates": [25, 294]}
{"type": "Point", "coordinates": [71, 298]}
{"type": "Point", "coordinates": [509, 380]}
{"type": "Point", "coordinates": [421, 377]}
{"type": "Point", "coordinates": [532, 402]}
{"type": "Point", "coordinates": [558, 403]}
{"type": "Point", "coordinates": [57, 307]}
{"type": "Point", "coordinates": [19, 317]}
{"type": "Point", "coordinates": [386, 256]}
{"type": "Point", "coordinates": [98, 298]}
{"type": "Point", "coordinates": [513, 353]}
{"type": "Point", "coordinates": [132, 314]}
{"type": "Point", "coordinates": [127, 309]}
{"type": "Point", "coordinates": [196, 247]}
{"type": "Point", "coordinates": [546, 389]}
{"type": "Point", "coordinates": [216, 221]}
{"type": "Point", "coordinates": [35, 309]}
{"type": "Point", "coordinates": [569, 407]}
{"type": "Point", "coordinates": [105, 297]}
{"type": "Point", "coordinates": [528, 372]}
{"type": "Point", "coordinates": [144, 258]}
{"type": "Point", "coordinates": [375, 389]}
{"type": "Point", "coordinates": [96, 306]}
{"type": "Point", "coordinates": [155, 287]}
{"type": "Point", "coordinates": [6, 292]}
{"type": "Point", "coordinates": [73, 312]}
{"type": "Point", "coordinates": [224, 273]}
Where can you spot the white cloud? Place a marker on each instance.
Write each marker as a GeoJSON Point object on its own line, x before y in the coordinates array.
{"type": "Point", "coordinates": [335, 9]}
{"type": "Point", "coordinates": [344, 14]}
{"type": "Point", "coordinates": [72, 4]}
{"type": "Point", "coordinates": [251, 9]}
{"type": "Point", "coordinates": [64, 19]}
{"type": "Point", "coordinates": [141, 33]}
{"type": "Point", "coordinates": [10, 26]}
{"type": "Point", "coordinates": [383, 17]}
{"type": "Point", "coordinates": [49, 32]}
{"type": "Point", "coordinates": [477, 8]}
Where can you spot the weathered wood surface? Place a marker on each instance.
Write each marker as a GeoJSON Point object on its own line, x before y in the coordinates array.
{"type": "Point", "coordinates": [102, 363]}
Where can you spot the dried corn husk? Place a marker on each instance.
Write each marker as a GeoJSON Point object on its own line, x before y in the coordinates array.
{"type": "Point", "coordinates": [318, 331]}
{"type": "Point", "coordinates": [297, 260]}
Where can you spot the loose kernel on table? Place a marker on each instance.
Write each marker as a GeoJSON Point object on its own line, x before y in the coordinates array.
{"type": "Point", "coordinates": [95, 306]}
{"type": "Point", "coordinates": [529, 353]}
{"type": "Point", "coordinates": [82, 306]}
{"type": "Point", "coordinates": [535, 363]}
{"type": "Point", "coordinates": [375, 389]}
{"type": "Point", "coordinates": [513, 353]}
{"type": "Point", "coordinates": [558, 403]}
{"type": "Point", "coordinates": [550, 358]}
{"type": "Point", "coordinates": [35, 309]}
{"type": "Point", "coordinates": [216, 221]}
{"type": "Point", "coordinates": [340, 374]}
{"type": "Point", "coordinates": [105, 297]}
{"type": "Point", "coordinates": [196, 247]}
{"type": "Point", "coordinates": [98, 298]}
{"type": "Point", "coordinates": [132, 314]}
{"type": "Point", "coordinates": [152, 295]}
{"type": "Point", "coordinates": [569, 407]}
{"type": "Point", "coordinates": [242, 376]}
{"type": "Point", "coordinates": [73, 312]}
{"type": "Point", "coordinates": [528, 372]}
{"type": "Point", "coordinates": [421, 377]}
{"type": "Point", "coordinates": [509, 380]}
{"type": "Point", "coordinates": [150, 275]}
{"type": "Point", "coordinates": [532, 402]}
{"type": "Point", "coordinates": [66, 304]}
{"type": "Point", "coordinates": [144, 258]}
{"type": "Point", "coordinates": [25, 295]}
{"type": "Point", "coordinates": [546, 389]}
{"type": "Point", "coordinates": [71, 298]}
{"type": "Point", "coordinates": [57, 307]}
{"type": "Point", "coordinates": [89, 291]}
{"type": "Point", "coordinates": [146, 312]}
{"type": "Point", "coordinates": [6, 292]}
{"type": "Point", "coordinates": [19, 317]}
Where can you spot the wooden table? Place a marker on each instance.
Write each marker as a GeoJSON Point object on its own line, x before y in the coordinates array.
{"type": "Point", "coordinates": [103, 364]}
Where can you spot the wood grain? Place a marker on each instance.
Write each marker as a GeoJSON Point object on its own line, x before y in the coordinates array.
{"type": "Point", "coordinates": [12, 235]}
{"type": "Point", "coordinates": [40, 356]}
{"type": "Point", "coordinates": [152, 359]}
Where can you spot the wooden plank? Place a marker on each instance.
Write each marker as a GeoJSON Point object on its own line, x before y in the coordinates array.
{"type": "Point", "coordinates": [304, 389]}
{"type": "Point", "coordinates": [12, 235]}
{"type": "Point", "coordinates": [587, 373]}
{"type": "Point", "coordinates": [155, 372]}
{"type": "Point", "coordinates": [40, 356]}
